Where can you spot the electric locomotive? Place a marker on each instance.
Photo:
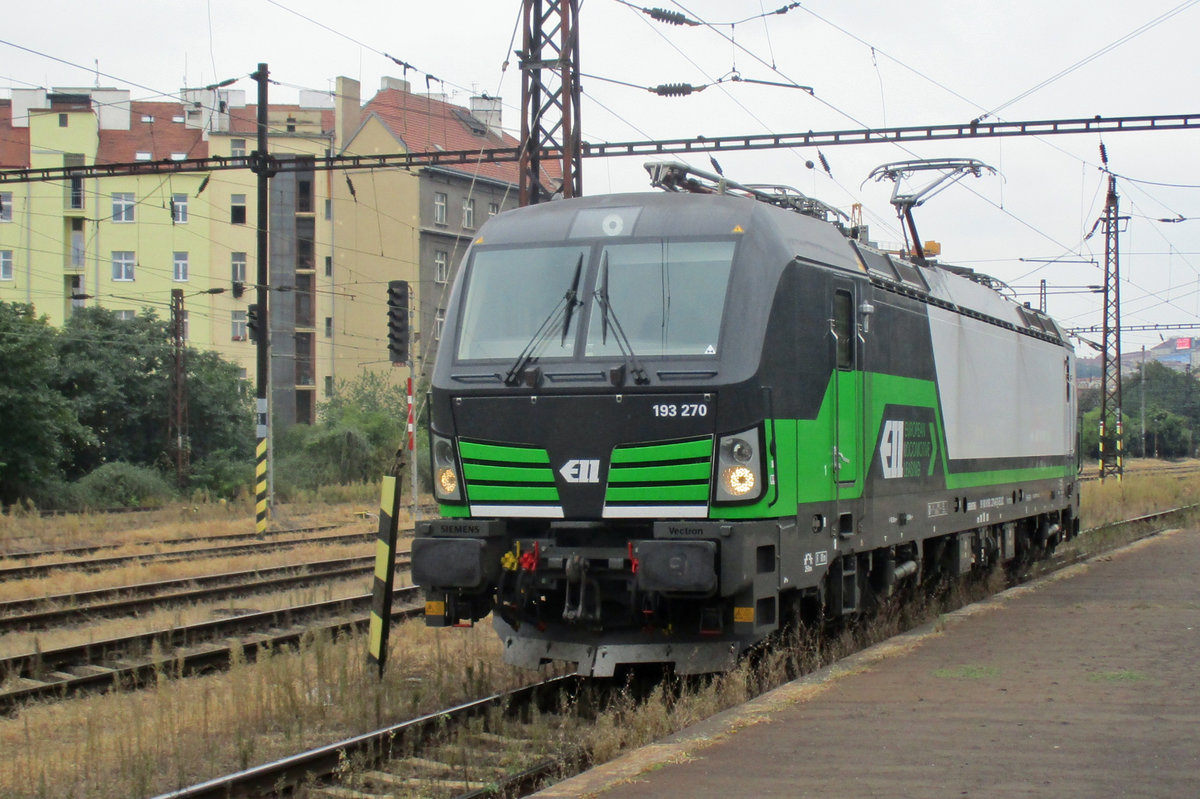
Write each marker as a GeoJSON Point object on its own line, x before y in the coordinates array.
{"type": "Point", "coordinates": [661, 424]}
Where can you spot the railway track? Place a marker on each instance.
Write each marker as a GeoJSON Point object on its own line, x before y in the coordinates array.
{"type": "Point", "coordinates": [399, 752]}
{"type": "Point", "coordinates": [42, 613]}
{"type": "Point", "coordinates": [408, 759]}
{"type": "Point", "coordinates": [78, 552]}
{"type": "Point", "coordinates": [99, 564]}
{"type": "Point", "coordinates": [1180, 470]}
{"type": "Point", "coordinates": [131, 661]}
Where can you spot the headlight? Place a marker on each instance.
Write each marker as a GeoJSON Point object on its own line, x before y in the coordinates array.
{"type": "Point", "coordinates": [445, 470]}
{"type": "Point", "coordinates": [739, 467]}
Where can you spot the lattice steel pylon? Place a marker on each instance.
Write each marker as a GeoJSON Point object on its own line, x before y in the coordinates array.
{"type": "Point", "coordinates": [1111, 444]}
{"type": "Point", "coordinates": [549, 59]}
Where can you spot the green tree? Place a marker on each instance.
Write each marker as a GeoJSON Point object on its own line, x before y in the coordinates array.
{"type": "Point", "coordinates": [1090, 433]}
{"type": "Point", "coordinates": [355, 439]}
{"type": "Point", "coordinates": [38, 425]}
{"type": "Point", "coordinates": [116, 373]}
{"type": "Point", "coordinates": [220, 410]}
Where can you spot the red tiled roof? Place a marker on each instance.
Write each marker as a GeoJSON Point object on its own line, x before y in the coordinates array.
{"type": "Point", "coordinates": [424, 124]}
{"type": "Point", "coordinates": [162, 138]}
{"type": "Point", "coordinates": [14, 142]}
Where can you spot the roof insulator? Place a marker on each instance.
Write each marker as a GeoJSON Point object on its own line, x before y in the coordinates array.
{"type": "Point", "coordinates": [675, 89]}
{"type": "Point", "coordinates": [669, 17]}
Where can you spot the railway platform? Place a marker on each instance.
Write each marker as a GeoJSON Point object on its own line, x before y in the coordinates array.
{"type": "Point", "coordinates": [1085, 683]}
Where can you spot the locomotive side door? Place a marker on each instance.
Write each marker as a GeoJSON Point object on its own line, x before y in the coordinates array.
{"type": "Point", "coordinates": [847, 386]}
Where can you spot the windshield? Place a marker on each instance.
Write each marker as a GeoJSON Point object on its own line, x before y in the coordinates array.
{"type": "Point", "coordinates": [668, 297]}
{"type": "Point", "coordinates": [508, 296]}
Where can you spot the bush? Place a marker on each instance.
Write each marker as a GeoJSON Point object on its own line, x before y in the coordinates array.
{"type": "Point", "coordinates": [124, 485]}
{"type": "Point", "coordinates": [224, 474]}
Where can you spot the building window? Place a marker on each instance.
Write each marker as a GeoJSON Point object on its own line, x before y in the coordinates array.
{"type": "Point", "coordinates": [237, 330]}
{"type": "Point", "coordinates": [328, 209]}
{"type": "Point", "coordinates": [237, 209]}
{"type": "Point", "coordinates": [329, 385]}
{"type": "Point", "coordinates": [78, 247]}
{"type": "Point", "coordinates": [143, 155]}
{"type": "Point", "coordinates": [179, 209]}
{"type": "Point", "coordinates": [6, 267]}
{"type": "Point", "coordinates": [180, 272]}
{"type": "Point", "coordinates": [237, 263]}
{"type": "Point", "coordinates": [62, 120]}
{"type": "Point", "coordinates": [125, 316]}
{"type": "Point", "coordinates": [439, 320]}
{"type": "Point", "coordinates": [441, 266]}
{"type": "Point", "coordinates": [328, 327]}
{"type": "Point", "coordinates": [237, 148]}
{"type": "Point", "coordinates": [439, 208]}
{"type": "Point", "coordinates": [493, 209]}
{"type": "Point", "coordinates": [122, 206]}
{"type": "Point", "coordinates": [304, 196]}
{"type": "Point", "coordinates": [306, 233]}
{"type": "Point", "coordinates": [468, 213]}
{"type": "Point", "coordinates": [5, 206]}
{"type": "Point", "coordinates": [76, 292]}
{"type": "Point", "coordinates": [328, 266]}
{"type": "Point", "coordinates": [122, 264]}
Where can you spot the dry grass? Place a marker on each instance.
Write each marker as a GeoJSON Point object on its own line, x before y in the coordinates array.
{"type": "Point", "coordinates": [181, 731]}
{"type": "Point", "coordinates": [1136, 494]}
{"type": "Point", "coordinates": [67, 581]}
{"type": "Point", "coordinates": [19, 643]}
{"type": "Point", "coordinates": [22, 531]}
{"type": "Point", "coordinates": [184, 730]}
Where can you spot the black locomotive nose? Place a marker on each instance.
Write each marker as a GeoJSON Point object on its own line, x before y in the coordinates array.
{"type": "Point", "coordinates": [587, 456]}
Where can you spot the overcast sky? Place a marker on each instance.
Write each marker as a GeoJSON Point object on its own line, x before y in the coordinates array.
{"type": "Point", "coordinates": [870, 64]}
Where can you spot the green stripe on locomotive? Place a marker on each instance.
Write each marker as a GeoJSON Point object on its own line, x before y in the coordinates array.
{"type": "Point", "coordinates": [802, 464]}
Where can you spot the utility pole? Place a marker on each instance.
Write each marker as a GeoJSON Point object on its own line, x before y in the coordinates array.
{"type": "Point", "coordinates": [263, 166]}
{"type": "Point", "coordinates": [1111, 454]}
{"type": "Point", "coordinates": [1142, 386]}
{"type": "Point", "coordinates": [179, 401]}
{"type": "Point", "coordinates": [549, 60]}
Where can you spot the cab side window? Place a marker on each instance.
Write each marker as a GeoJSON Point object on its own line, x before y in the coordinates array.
{"type": "Point", "coordinates": [843, 328]}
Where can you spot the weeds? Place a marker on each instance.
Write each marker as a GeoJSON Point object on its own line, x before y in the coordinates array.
{"type": "Point", "coordinates": [177, 731]}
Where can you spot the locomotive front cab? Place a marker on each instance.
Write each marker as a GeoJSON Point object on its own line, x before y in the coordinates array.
{"type": "Point", "coordinates": [596, 412]}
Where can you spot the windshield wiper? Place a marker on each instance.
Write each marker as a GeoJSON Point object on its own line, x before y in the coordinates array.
{"type": "Point", "coordinates": [608, 316]}
{"type": "Point", "coordinates": [564, 310]}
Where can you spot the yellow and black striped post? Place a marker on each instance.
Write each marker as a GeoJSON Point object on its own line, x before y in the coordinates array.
{"type": "Point", "coordinates": [260, 487]}
{"type": "Point", "coordinates": [385, 573]}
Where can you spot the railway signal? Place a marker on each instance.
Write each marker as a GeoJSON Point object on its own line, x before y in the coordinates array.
{"type": "Point", "coordinates": [253, 326]}
{"type": "Point", "coordinates": [398, 333]}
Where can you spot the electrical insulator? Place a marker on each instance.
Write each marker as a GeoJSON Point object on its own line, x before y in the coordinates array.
{"type": "Point", "coordinates": [397, 322]}
{"type": "Point", "coordinates": [675, 89]}
{"type": "Point", "coordinates": [669, 17]}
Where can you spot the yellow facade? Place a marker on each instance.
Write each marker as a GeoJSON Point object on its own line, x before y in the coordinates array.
{"type": "Point", "coordinates": [377, 235]}
{"type": "Point", "coordinates": [336, 238]}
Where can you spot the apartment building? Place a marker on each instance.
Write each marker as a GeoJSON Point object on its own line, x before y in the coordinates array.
{"type": "Point", "coordinates": [336, 238]}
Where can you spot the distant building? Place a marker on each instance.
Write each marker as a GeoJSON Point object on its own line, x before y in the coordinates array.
{"type": "Point", "coordinates": [427, 218]}
{"type": "Point", "coordinates": [335, 238]}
